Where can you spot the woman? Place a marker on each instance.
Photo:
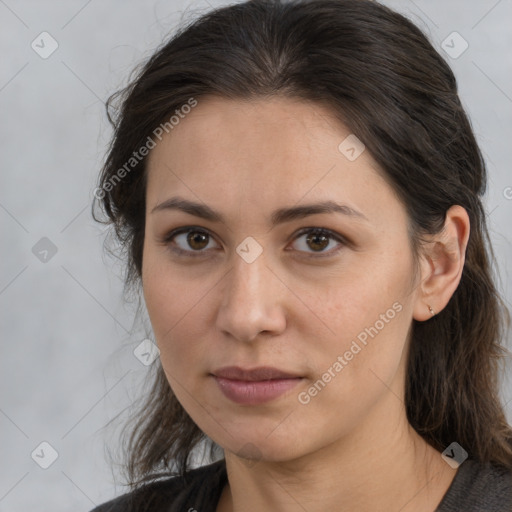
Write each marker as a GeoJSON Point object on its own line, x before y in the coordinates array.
{"type": "Point", "coordinates": [299, 192]}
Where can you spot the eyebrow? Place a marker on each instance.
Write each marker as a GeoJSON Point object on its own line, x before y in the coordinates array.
{"type": "Point", "coordinates": [279, 216]}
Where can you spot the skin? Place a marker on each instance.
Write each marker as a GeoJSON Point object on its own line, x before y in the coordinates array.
{"type": "Point", "coordinates": [351, 446]}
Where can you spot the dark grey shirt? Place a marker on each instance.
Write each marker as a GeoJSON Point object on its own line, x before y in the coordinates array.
{"type": "Point", "coordinates": [478, 488]}
{"type": "Point", "coordinates": [475, 488]}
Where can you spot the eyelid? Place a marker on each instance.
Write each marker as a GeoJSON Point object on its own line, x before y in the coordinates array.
{"type": "Point", "coordinates": [167, 239]}
{"type": "Point", "coordinates": [321, 231]}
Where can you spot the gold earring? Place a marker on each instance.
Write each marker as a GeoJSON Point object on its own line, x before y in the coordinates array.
{"type": "Point", "coordinates": [431, 309]}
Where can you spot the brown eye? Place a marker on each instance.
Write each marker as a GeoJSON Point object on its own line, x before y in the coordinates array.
{"type": "Point", "coordinates": [317, 242]}
{"type": "Point", "coordinates": [314, 242]}
{"type": "Point", "coordinates": [197, 240]}
{"type": "Point", "coordinates": [188, 241]}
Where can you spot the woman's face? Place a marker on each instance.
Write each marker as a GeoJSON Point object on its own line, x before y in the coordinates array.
{"type": "Point", "coordinates": [330, 309]}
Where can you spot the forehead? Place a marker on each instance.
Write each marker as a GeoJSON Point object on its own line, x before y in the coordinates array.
{"type": "Point", "coordinates": [250, 134]}
{"type": "Point", "coordinates": [266, 153]}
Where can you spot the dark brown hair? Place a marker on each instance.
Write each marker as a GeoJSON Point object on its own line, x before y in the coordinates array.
{"type": "Point", "coordinates": [384, 80]}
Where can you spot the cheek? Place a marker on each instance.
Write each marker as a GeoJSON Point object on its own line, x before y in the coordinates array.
{"type": "Point", "coordinates": [367, 296]}
{"type": "Point", "coordinates": [172, 320]}
{"type": "Point", "coordinates": [170, 300]}
{"type": "Point", "coordinates": [357, 368]}
{"type": "Point", "coordinates": [368, 314]}
{"type": "Point", "coordinates": [176, 311]}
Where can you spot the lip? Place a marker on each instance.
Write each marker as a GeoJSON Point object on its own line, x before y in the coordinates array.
{"type": "Point", "coordinates": [254, 386]}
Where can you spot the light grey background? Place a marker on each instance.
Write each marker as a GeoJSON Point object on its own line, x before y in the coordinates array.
{"type": "Point", "coordinates": [67, 364]}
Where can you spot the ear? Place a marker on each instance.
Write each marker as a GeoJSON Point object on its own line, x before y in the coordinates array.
{"type": "Point", "coordinates": [442, 263]}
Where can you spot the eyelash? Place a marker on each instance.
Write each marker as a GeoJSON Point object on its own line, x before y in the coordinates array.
{"type": "Point", "coordinates": [194, 254]}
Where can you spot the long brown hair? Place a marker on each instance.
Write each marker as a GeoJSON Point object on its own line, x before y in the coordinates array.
{"type": "Point", "coordinates": [384, 80]}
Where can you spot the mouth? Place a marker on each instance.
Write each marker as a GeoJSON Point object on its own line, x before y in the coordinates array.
{"type": "Point", "coordinates": [254, 386]}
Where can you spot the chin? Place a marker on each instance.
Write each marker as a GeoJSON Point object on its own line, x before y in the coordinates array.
{"type": "Point", "coordinates": [254, 449]}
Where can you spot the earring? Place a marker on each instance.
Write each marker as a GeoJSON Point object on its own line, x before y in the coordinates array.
{"type": "Point", "coordinates": [431, 309]}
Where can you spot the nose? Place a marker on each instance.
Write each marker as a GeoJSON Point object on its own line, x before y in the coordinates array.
{"type": "Point", "coordinates": [252, 301]}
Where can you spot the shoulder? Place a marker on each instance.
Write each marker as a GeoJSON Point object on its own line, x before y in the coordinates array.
{"type": "Point", "coordinates": [198, 489]}
{"type": "Point", "coordinates": [479, 487]}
